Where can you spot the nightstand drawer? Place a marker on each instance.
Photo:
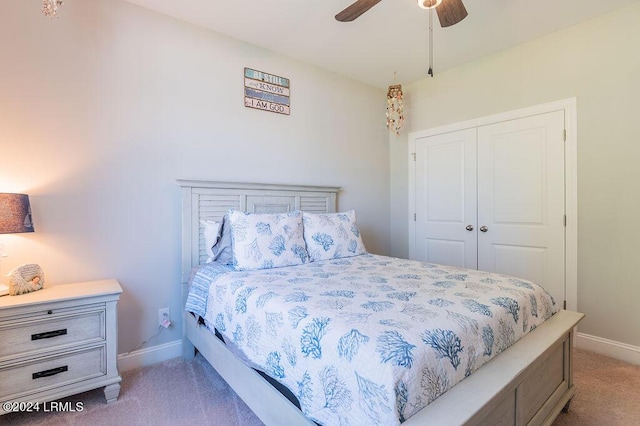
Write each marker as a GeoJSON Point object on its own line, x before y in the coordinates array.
{"type": "Point", "coordinates": [53, 372]}
{"type": "Point", "coordinates": [47, 332]}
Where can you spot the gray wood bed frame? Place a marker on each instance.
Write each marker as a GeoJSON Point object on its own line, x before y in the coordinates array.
{"type": "Point", "coordinates": [527, 384]}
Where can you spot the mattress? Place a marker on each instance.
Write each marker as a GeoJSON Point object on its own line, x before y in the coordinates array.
{"type": "Point", "coordinates": [367, 339]}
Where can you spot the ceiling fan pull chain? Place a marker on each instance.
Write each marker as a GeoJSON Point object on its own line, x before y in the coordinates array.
{"type": "Point", "coordinates": [430, 71]}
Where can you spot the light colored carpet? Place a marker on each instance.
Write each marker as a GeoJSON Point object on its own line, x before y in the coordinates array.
{"type": "Point", "coordinates": [175, 392]}
{"type": "Point", "coordinates": [608, 392]}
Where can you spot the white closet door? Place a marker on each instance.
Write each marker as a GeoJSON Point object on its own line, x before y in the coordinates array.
{"type": "Point", "coordinates": [446, 199]}
{"type": "Point", "coordinates": [521, 200]}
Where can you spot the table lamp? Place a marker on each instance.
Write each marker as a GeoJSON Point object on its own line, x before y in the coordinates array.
{"type": "Point", "coordinates": [15, 217]}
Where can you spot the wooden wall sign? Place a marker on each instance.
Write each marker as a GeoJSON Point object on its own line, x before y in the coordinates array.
{"type": "Point", "coordinates": [267, 92]}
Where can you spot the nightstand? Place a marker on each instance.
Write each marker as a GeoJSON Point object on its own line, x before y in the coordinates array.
{"type": "Point", "coordinates": [59, 341]}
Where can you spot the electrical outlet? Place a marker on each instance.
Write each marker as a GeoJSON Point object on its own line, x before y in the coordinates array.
{"type": "Point", "coordinates": [164, 317]}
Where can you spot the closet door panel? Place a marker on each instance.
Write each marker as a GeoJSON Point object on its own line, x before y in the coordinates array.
{"type": "Point", "coordinates": [446, 199]}
{"type": "Point", "coordinates": [519, 261]}
{"type": "Point", "coordinates": [521, 199]}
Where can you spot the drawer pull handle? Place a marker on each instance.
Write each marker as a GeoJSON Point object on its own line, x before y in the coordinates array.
{"type": "Point", "coordinates": [49, 334]}
{"type": "Point", "coordinates": [47, 373]}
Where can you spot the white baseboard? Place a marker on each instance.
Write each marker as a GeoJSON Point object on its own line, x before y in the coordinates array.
{"type": "Point", "coordinates": [147, 356]}
{"type": "Point", "coordinates": [611, 348]}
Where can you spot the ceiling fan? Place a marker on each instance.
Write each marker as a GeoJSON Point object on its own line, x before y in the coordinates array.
{"type": "Point", "coordinates": [449, 12]}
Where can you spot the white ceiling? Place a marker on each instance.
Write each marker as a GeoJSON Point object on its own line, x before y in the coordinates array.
{"type": "Point", "coordinates": [391, 37]}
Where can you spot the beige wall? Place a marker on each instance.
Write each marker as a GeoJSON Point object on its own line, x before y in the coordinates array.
{"type": "Point", "coordinates": [598, 63]}
{"type": "Point", "coordinates": [104, 107]}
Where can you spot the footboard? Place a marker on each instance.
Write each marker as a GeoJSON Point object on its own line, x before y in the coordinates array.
{"type": "Point", "coordinates": [528, 384]}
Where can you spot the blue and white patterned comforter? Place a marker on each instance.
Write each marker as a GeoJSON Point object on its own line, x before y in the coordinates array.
{"type": "Point", "coordinates": [370, 339]}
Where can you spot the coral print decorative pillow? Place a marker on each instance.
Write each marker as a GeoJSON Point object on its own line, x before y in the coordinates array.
{"type": "Point", "coordinates": [262, 241]}
{"type": "Point", "coordinates": [332, 235]}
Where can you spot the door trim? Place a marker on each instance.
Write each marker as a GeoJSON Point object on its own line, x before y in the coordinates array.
{"type": "Point", "coordinates": [569, 106]}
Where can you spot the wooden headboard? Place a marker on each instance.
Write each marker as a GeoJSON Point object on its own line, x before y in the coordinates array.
{"type": "Point", "coordinates": [209, 200]}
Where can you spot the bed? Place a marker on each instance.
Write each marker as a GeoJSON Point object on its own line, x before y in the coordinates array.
{"type": "Point", "coordinates": [528, 383]}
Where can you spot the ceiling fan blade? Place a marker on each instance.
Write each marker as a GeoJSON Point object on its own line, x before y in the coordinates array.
{"type": "Point", "coordinates": [355, 10]}
{"type": "Point", "coordinates": [451, 12]}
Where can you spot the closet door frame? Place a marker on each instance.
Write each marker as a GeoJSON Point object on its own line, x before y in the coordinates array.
{"type": "Point", "coordinates": [571, 179]}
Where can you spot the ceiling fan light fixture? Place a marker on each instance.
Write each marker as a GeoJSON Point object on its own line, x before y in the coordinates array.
{"type": "Point", "coordinates": [429, 4]}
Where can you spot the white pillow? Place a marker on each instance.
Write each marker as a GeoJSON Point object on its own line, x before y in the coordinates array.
{"type": "Point", "coordinates": [262, 241]}
{"type": "Point", "coordinates": [211, 235]}
{"type": "Point", "coordinates": [332, 235]}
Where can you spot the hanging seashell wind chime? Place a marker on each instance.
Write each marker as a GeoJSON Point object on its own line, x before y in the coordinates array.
{"type": "Point", "coordinates": [395, 116]}
{"type": "Point", "coordinates": [50, 7]}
